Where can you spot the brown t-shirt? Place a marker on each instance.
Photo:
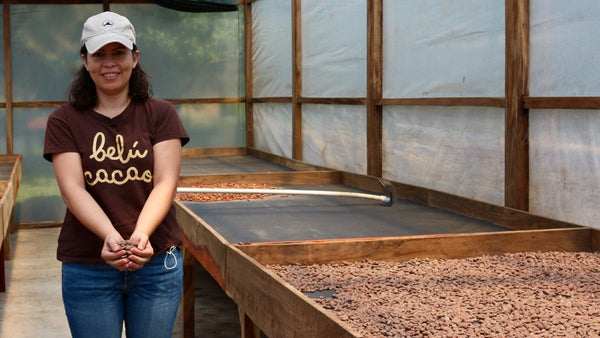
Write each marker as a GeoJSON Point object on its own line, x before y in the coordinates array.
{"type": "Point", "coordinates": [117, 160]}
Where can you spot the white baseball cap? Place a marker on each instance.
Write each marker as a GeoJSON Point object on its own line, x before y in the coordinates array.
{"type": "Point", "coordinates": [107, 27]}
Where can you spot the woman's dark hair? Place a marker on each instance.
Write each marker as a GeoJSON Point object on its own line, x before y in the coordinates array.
{"type": "Point", "coordinates": [82, 93]}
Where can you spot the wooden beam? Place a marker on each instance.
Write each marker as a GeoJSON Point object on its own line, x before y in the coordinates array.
{"type": "Point", "coordinates": [204, 152]}
{"type": "Point", "coordinates": [374, 132]}
{"type": "Point", "coordinates": [286, 162]}
{"type": "Point", "coordinates": [188, 296]}
{"type": "Point", "coordinates": [249, 74]}
{"type": "Point", "coordinates": [8, 79]}
{"type": "Point", "coordinates": [496, 214]}
{"type": "Point", "coordinates": [333, 100]}
{"type": "Point", "coordinates": [203, 242]}
{"type": "Point", "coordinates": [249, 329]}
{"type": "Point", "coordinates": [404, 248]}
{"type": "Point", "coordinates": [208, 100]}
{"type": "Point", "coordinates": [276, 307]}
{"type": "Point", "coordinates": [561, 102]}
{"type": "Point", "coordinates": [516, 186]}
{"type": "Point", "coordinates": [296, 80]}
{"type": "Point", "coordinates": [271, 100]}
{"type": "Point", "coordinates": [274, 178]}
{"type": "Point", "coordinates": [215, 100]}
{"type": "Point", "coordinates": [445, 101]}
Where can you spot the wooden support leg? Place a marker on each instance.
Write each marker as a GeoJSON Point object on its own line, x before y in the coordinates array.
{"type": "Point", "coordinates": [6, 243]}
{"type": "Point", "coordinates": [249, 329]}
{"type": "Point", "coordinates": [2, 272]}
{"type": "Point", "coordinates": [188, 299]}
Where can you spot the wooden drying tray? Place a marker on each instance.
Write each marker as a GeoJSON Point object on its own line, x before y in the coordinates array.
{"type": "Point", "coordinates": [11, 168]}
{"type": "Point", "coordinates": [266, 302]}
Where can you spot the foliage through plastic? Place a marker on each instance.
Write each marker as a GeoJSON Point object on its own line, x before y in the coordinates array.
{"type": "Point", "coordinates": [199, 5]}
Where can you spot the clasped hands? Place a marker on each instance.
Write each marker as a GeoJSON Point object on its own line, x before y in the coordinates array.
{"type": "Point", "coordinates": [133, 259]}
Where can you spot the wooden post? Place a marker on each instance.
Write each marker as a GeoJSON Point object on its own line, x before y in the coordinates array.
{"type": "Point", "coordinates": [374, 87]}
{"type": "Point", "coordinates": [296, 80]}
{"type": "Point", "coordinates": [249, 329]}
{"type": "Point", "coordinates": [8, 79]}
{"type": "Point", "coordinates": [516, 194]}
{"type": "Point", "coordinates": [188, 297]}
{"type": "Point", "coordinates": [249, 78]}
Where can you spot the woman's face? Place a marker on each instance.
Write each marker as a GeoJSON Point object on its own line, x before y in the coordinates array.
{"type": "Point", "coordinates": [110, 67]}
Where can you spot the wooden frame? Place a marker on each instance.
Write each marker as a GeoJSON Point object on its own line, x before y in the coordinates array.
{"type": "Point", "coordinates": [271, 304]}
{"type": "Point", "coordinates": [8, 192]}
{"type": "Point", "coordinates": [516, 101]}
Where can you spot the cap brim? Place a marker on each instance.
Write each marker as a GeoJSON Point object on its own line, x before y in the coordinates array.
{"type": "Point", "coordinates": [94, 43]}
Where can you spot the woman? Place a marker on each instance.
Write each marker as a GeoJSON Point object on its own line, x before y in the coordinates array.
{"type": "Point", "coordinates": [116, 154]}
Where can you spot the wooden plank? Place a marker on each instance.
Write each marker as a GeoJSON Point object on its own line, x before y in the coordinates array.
{"type": "Point", "coordinates": [208, 100]}
{"type": "Point", "coordinates": [450, 246]}
{"type": "Point", "coordinates": [516, 177]}
{"type": "Point", "coordinates": [203, 242]}
{"type": "Point", "coordinates": [508, 217]}
{"type": "Point", "coordinates": [249, 330]}
{"type": "Point", "coordinates": [374, 87]}
{"type": "Point", "coordinates": [511, 218]}
{"type": "Point", "coordinates": [445, 101]}
{"type": "Point", "coordinates": [249, 74]}
{"type": "Point", "coordinates": [203, 152]}
{"type": "Point", "coordinates": [188, 297]}
{"type": "Point", "coordinates": [214, 100]}
{"type": "Point", "coordinates": [271, 100]}
{"type": "Point", "coordinates": [334, 100]}
{"type": "Point", "coordinates": [296, 80]}
{"type": "Point", "coordinates": [2, 271]}
{"type": "Point", "coordinates": [10, 159]}
{"type": "Point", "coordinates": [561, 102]}
{"type": "Point", "coordinates": [8, 79]}
{"type": "Point", "coordinates": [275, 178]}
{"type": "Point", "coordinates": [275, 306]}
{"type": "Point", "coordinates": [286, 162]}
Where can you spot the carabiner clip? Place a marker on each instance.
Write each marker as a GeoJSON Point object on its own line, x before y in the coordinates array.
{"type": "Point", "coordinates": [170, 253]}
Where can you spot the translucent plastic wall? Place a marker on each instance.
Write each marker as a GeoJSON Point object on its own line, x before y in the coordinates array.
{"type": "Point", "coordinates": [434, 48]}
{"type": "Point", "coordinates": [441, 48]}
{"type": "Point", "coordinates": [334, 136]}
{"type": "Point", "coordinates": [187, 55]}
{"type": "Point", "coordinates": [272, 75]}
{"type": "Point", "coordinates": [273, 128]}
{"type": "Point", "coordinates": [272, 48]}
{"type": "Point", "coordinates": [43, 63]}
{"type": "Point", "coordinates": [565, 144]}
{"type": "Point", "coordinates": [459, 150]}
{"type": "Point", "coordinates": [214, 125]}
{"type": "Point", "coordinates": [334, 48]}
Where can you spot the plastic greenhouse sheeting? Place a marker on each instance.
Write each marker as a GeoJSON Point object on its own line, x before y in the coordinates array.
{"type": "Point", "coordinates": [565, 165]}
{"type": "Point", "coordinates": [564, 48]}
{"type": "Point", "coordinates": [273, 128]}
{"type": "Point", "coordinates": [199, 5]}
{"type": "Point", "coordinates": [459, 150]}
{"type": "Point", "coordinates": [334, 48]}
{"type": "Point", "coordinates": [335, 136]}
{"type": "Point", "coordinates": [443, 48]}
{"type": "Point", "coordinates": [272, 48]}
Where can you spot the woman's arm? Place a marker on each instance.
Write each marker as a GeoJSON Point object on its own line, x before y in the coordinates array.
{"type": "Point", "coordinates": [167, 162]}
{"type": "Point", "coordinates": [69, 175]}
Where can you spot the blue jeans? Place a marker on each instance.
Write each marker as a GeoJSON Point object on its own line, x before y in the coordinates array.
{"type": "Point", "coordinates": [99, 298]}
